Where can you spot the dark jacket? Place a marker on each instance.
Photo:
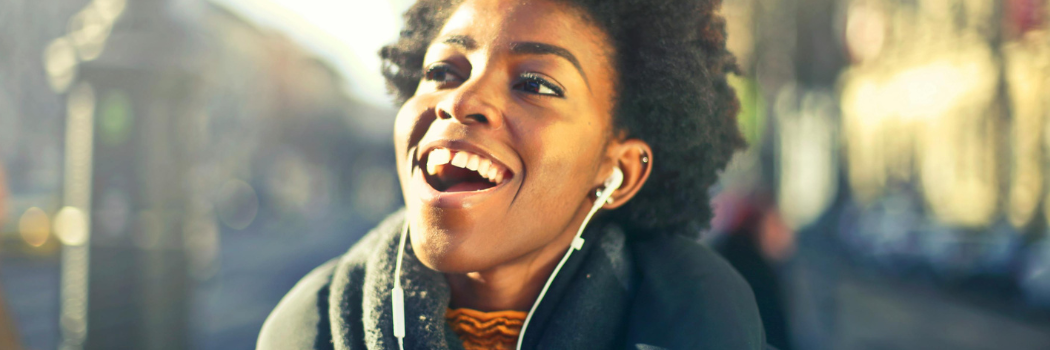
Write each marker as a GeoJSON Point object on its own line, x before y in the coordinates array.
{"type": "Point", "coordinates": [667, 292]}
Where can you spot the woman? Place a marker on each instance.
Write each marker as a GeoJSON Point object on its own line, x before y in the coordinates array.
{"type": "Point", "coordinates": [518, 121]}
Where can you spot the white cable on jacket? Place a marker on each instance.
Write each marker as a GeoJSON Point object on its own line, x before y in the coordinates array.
{"type": "Point", "coordinates": [611, 184]}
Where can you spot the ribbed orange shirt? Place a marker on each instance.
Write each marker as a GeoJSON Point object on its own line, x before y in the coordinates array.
{"type": "Point", "coordinates": [486, 330]}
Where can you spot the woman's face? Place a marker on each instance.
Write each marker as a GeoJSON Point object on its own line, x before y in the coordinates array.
{"type": "Point", "coordinates": [505, 139]}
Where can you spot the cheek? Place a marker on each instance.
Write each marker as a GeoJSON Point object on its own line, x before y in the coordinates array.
{"type": "Point", "coordinates": [404, 123]}
{"type": "Point", "coordinates": [410, 124]}
{"type": "Point", "coordinates": [565, 159]}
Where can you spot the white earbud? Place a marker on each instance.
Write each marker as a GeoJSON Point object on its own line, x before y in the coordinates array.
{"type": "Point", "coordinates": [611, 184]}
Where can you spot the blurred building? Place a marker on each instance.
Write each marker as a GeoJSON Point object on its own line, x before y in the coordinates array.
{"type": "Point", "coordinates": [217, 163]}
{"type": "Point", "coordinates": [905, 144]}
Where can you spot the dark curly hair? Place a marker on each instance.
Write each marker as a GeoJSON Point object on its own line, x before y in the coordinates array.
{"type": "Point", "coordinates": [672, 93]}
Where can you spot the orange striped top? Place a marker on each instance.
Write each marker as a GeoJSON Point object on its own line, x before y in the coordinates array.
{"type": "Point", "coordinates": [486, 330]}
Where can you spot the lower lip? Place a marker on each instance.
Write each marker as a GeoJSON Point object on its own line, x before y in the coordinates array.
{"type": "Point", "coordinates": [450, 200]}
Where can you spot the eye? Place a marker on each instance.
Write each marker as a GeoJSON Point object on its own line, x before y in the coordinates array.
{"type": "Point", "coordinates": [536, 84]}
{"type": "Point", "coordinates": [441, 73]}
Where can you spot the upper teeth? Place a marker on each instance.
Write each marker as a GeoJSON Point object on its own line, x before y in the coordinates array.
{"type": "Point", "coordinates": [462, 159]}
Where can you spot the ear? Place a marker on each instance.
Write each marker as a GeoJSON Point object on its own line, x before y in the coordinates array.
{"type": "Point", "coordinates": [635, 159]}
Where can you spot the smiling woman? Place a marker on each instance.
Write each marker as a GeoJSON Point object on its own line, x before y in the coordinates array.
{"type": "Point", "coordinates": [519, 121]}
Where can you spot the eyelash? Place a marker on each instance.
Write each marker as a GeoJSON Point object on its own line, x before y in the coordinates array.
{"type": "Point", "coordinates": [537, 79]}
{"type": "Point", "coordinates": [435, 69]}
{"type": "Point", "coordinates": [526, 78]}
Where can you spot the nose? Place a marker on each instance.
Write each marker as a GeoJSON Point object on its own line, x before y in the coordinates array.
{"type": "Point", "coordinates": [473, 102]}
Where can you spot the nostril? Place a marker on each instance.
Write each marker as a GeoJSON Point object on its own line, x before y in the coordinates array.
{"type": "Point", "coordinates": [469, 118]}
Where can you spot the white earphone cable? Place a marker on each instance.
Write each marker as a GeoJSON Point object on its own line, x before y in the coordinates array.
{"type": "Point", "coordinates": [398, 293]}
{"type": "Point", "coordinates": [577, 243]}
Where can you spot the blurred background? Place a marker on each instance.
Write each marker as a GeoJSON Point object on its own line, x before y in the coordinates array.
{"type": "Point", "coordinates": [170, 168]}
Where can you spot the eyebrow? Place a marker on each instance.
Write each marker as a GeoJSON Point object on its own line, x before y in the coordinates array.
{"type": "Point", "coordinates": [523, 48]}
{"type": "Point", "coordinates": [532, 48]}
{"type": "Point", "coordinates": [463, 41]}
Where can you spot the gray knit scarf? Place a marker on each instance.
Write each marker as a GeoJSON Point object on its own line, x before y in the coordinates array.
{"type": "Point", "coordinates": [585, 308]}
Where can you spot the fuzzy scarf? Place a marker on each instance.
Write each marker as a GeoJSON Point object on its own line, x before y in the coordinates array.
{"type": "Point", "coordinates": [597, 281]}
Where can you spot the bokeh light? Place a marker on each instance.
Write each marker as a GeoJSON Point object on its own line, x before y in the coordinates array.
{"type": "Point", "coordinates": [60, 62]}
{"type": "Point", "coordinates": [807, 157]}
{"type": "Point", "coordinates": [71, 226]}
{"type": "Point", "coordinates": [88, 31]}
{"type": "Point", "coordinates": [237, 204]}
{"type": "Point", "coordinates": [865, 30]}
{"type": "Point", "coordinates": [109, 10]}
{"type": "Point", "coordinates": [35, 226]}
{"type": "Point", "coordinates": [115, 117]}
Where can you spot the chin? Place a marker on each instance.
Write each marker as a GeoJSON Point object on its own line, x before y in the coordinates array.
{"type": "Point", "coordinates": [446, 241]}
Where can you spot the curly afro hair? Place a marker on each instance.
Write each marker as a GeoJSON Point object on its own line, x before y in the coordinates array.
{"type": "Point", "coordinates": [672, 93]}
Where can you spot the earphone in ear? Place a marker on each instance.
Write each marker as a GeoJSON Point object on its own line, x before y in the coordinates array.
{"type": "Point", "coordinates": [611, 184]}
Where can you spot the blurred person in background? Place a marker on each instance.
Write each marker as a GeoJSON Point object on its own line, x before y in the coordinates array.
{"type": "Point", "coordinates": [754, 239]}
{"type": "Point", "coordinates": [519, 121]}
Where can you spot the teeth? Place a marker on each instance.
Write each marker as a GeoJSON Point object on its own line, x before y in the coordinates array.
{"type": "Point", "coordinates": [472, 163]}
{"type": "Point", "coordinates": [440, 156]}
{"type": "Point", "coordinates": [484, 167]}
{"type": "Point", "coordinates": [460, 160]}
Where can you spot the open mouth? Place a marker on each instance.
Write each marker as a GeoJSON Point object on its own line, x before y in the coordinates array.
{"type": "Point", "coordinates": [461, 171]}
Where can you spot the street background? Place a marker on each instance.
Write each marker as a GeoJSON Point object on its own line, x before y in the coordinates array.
{"type": "Point", "coordinates": [170, 168]}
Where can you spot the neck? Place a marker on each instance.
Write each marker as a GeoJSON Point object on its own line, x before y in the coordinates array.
{"type": "Point", "coordinates": [516, 284]}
